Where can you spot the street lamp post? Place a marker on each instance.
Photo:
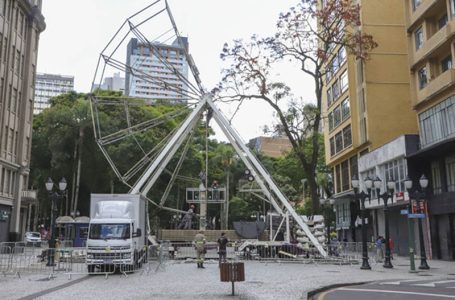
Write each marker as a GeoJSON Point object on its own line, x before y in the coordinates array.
{"type": "Point", "coordinates": [420, 201]}
{"type": "Point", "coordinates": [54, 197]}
{"type": "Point", "coordinates": [385, 197]}
{"type": "Point", "coordinates": [362, 196]}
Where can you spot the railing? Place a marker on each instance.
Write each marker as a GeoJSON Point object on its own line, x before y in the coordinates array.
{"type": "Point", "coordinates": [18, 259]}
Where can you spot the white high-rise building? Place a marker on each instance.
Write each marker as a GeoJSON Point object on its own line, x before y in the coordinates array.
{"type": "Point", "coordinates": [48, 86]}
{"type": "Point", "coordinates": [152, 61]}
{"type": "Point", "coordinates": [114, 83]}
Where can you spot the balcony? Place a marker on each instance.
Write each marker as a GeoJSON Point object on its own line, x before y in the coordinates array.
{"type": "Point", "coordinates": [28, 196]}
{"type": "Point", "coordinates": [421, 11]}
{"type": "Point", "coordinates": [436, 86]}
{"type": "Point", "coordinates": [432, 44]}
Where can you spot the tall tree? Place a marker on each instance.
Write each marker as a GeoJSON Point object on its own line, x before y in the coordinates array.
{"type": "Point", "coordinates": [309, 35]}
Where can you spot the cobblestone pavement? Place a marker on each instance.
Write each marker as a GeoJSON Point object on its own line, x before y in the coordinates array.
{"type": "Point", "coordinates": [182, 280]}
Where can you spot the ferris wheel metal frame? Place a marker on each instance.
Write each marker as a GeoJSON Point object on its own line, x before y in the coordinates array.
{"type": "Point", "coordinates": [198, 103]}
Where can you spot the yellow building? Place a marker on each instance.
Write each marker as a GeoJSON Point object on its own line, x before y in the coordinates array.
{"type": "Point", "coordinates": [367, 104]}
{"type": "Point", "coordinates": [276, 146]}
{"type": "Point", "coordinates": [431, 35]}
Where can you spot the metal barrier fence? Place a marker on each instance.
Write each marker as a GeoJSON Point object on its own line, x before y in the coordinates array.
{"type": "Point", "coordinates": [18, 258]}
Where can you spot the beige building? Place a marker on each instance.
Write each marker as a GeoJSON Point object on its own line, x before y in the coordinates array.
{"type": "Point", "coordinates": [21, 23]}
{"type": "Point", "coordinates": [271, 146]}
{"type": "Point", "coordinates": [367, 105]}
{"type": "Point", "coordinates": [430, 25]}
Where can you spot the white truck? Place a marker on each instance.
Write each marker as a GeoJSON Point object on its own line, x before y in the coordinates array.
{"type": "Point", "coordinates": [117, 233]}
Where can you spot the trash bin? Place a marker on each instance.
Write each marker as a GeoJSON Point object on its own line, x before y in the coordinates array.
{"type": "Point", "coordinates": [232, 272]}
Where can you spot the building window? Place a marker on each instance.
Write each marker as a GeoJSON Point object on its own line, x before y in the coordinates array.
{"type": "Point", "coordinates": [335, 90]}
{"type": "Point", "coordinates": [436, 181]}
{"type": "Point", "coordinates": [452, 7]}
{"type": "Point", "coordinates": [443, 21]}
{"type": "Point", "coordinates": [354, 166]}
{"type": "Point", "coordinates": [418, 35]}
{"type": "Point", "coordinates": [329, 97]}
{"type": "Point", "coordinates": [338, 178]}
{"type": "Point", "coordinates": [338, 142]}
{"type": "Point", "coordinates": [330, 120]}
{"type": "Point", "coordinates": [328, 72]}
{"type": "Point", "coordinates": [438, 122]}
{"type": "Point", "coordinates": [395, 170]}
{"type": "Point", "coordinates": [345, 109]}
{"type": "Point", "coordinates": [422, 75]}
{"type": "Point", "coordinates": [341, 55]}
{"type": "Point", "coordinates": [415, 4]}
{"type": "Point", "coordinates": [450, 167]}
{"type": "Point", "coordinates": [446, 63]}
{"type": "Point", "coordinates": [344, 81]}
{"type": "Point", "coordinates": [337, 116]}
{"type": "Point", "coordinates": [345, 175]}
{"type": "Point", "coordinates": [332, 146]}
{"type": "Point", "coordinates": [347, 136]}
{"type": "Point", "coordinates": [335, 64]}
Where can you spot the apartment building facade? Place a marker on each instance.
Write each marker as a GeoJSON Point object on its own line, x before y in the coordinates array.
{"type": "Point", "coordinates": [21, 23]}
{"type": "Point", "coordinates": [275, 146]}
{"type": "Point", "coordinates": [157, 64]}
{"type": "Point", "coordinates": [365, 106]}
{"type": "Point", "coordinates": [48, 86]}
{"type": "Point", "coordinates": [431, 44]}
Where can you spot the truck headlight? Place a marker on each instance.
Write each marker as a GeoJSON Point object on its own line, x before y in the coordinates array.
{"type": "Point", "coordinates": [126, 255]}
{"type": "Point", "coordinates": [90, 256]}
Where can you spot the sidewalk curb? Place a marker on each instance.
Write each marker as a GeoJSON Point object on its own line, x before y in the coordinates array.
{"type": "Point", "coordinates": [314, 292]}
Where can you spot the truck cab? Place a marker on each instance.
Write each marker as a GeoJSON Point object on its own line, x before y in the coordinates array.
{"type": "Point", "coordinates": [116, 236]}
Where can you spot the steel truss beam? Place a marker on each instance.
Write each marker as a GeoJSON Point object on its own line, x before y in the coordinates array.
{"type": "Point", "coordinates": [262, 177]}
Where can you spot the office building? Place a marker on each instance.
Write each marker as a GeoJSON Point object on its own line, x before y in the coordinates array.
{"type": "Point", "coordinates": [155, 64]}
{"type": "Point", "coordinates": [48, 86]}
{"type": "Point", "coordinates": [114, 83]}
{"type": "Point", "coordinates": [21, 25]}
{"type": "Point", "coordinates": [367, 105]}
{"type": "Point", "coordinates": [430, 25]}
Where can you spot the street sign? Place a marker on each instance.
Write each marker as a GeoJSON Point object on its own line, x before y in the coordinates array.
{"type": "Point", "coordinates": [404, 211]}
{"type": "Point", "coordinates": [416, 216]}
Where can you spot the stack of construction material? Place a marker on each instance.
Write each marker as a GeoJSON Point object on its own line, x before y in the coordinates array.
{"type": "Point", "coordinates": [317, 227]}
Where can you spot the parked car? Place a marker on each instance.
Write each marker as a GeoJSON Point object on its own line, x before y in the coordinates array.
{"type": "Point", "coordinates": [33, 238]}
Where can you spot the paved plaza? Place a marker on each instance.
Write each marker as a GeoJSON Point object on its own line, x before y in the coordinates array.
{"type": "Point", "coordinates": [182, 280]}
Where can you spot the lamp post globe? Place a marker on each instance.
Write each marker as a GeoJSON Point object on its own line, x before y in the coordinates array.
{"type": "Point", "coordinates": [49, 184]}
{"type": "Point", "coordinates": [62, 184]}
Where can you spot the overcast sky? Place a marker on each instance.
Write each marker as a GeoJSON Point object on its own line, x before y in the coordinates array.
{"type": "Point", "coordinates": [77, 31]}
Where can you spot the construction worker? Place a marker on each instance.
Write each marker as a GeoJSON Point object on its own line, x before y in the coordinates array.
{"type": "Point", "coordinates": [199, 245]}
{"type": "Point", "coordinates": [187, 219]}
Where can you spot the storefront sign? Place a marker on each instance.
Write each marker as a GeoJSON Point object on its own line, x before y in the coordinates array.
{"type": "Point", "coordinates": [4, 215]}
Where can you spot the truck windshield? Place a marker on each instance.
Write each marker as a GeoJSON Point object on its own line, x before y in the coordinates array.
{"type": "Point", "coordinates": [109, 231]}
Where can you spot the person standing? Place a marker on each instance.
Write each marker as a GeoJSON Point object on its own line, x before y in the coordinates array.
{"type": "Point", "coordinates": [222, 245]}
{"type": "Point", "coordinates": [199, 245]}
{"type": "Point", "coordinates": [391, 246]}
{"type": "Point", "coordinates": [187, 218]}
{"type": "Point", "coordinates": [215, 192]}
